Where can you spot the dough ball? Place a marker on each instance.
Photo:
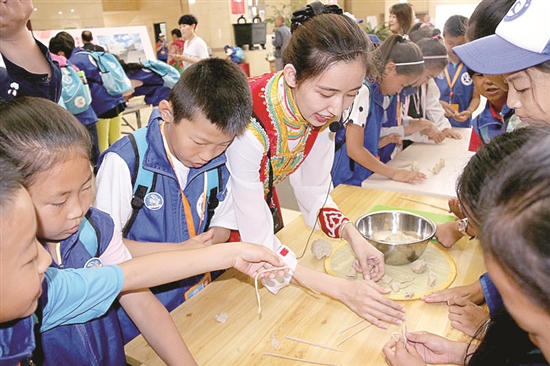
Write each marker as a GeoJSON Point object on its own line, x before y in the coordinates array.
{"type": "Point", "coordinates": [321, 248]}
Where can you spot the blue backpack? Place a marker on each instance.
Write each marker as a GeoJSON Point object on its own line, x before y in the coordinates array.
{"type": "Point", "coordinates": [75, 93]}
{"type": "Point", "coordinates": [112, 74]}
{"type": "Point", "coordinates": [169, 74]}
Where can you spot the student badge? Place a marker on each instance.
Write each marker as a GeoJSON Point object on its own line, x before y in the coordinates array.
{"type": "Point", "coordinates": [153, 201]}
{"type": "Point", "coordinates": [94, 263]}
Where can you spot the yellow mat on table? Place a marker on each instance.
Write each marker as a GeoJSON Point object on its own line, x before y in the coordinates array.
{"type": "Point", "coordinates": [438, 261]}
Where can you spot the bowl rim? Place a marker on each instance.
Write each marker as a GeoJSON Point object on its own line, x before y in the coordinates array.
{"type": "Point", "coordinates": [430, 237]}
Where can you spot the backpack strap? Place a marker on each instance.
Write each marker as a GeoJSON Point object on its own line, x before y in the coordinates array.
{"type": "Point", "coordinates": [143, 181]}
{"type": "Point", "coordinates": [89, 234]}
{"type": "Point", "coordinates": [214, 186]}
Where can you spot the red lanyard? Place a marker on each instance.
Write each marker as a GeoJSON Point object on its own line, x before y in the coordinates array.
{"type": "Point", "coordinates": [452, 84]}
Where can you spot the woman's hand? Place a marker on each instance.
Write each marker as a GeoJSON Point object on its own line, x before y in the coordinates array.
{"type": "Point", "coordinates": [408, 176]}
{"type": "Point", "coordinates": [365, 298]}
{"type": "Point", "coordinates": [370, 260]}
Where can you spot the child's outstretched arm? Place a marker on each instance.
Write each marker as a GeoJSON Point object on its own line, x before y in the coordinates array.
{"type": "Point", "coordinates": [16, 42]}
{"type": "Point", "coordinates": [138, 248]}
{"type": "Point", "coordinates": [155, 323]}
{"type": "Point", "coordinates": [467, 113]}
{"type": "Point", "coordinates": [159, 268]}
{"type": "Point", "coordinates": [357, 152]}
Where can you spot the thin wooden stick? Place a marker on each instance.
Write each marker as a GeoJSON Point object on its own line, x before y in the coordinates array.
{"type": "Point", "coordinates": [298, 359]}
{"type": "Point", "coordinates": [351, 326]}
{"type": "Point", "coordinates": [424, 203]}
{"type": "Point", "coordinates": [313, 344]}
{"type": "Point", "coordinates": [348, 337]}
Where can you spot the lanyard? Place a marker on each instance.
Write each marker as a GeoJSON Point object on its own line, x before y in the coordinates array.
{"type": "Point", "coordinates": [452, 84]}
{"type": "Point", "coordinates": [186, 207]}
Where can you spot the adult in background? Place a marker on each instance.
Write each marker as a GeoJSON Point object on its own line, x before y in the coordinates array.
{"type": "Point", "coordinates": [280, 41]}
{"type": "Point", "coordinates": [87, 39]}
{"type": "Point", "coordinates": [401, 18]}
{"type": "Point", "coordinates": [195, 48]}
{"type": "Point", "coordinates": [162, 48]}
{"type": "Point", "coordinates": [175, 48]}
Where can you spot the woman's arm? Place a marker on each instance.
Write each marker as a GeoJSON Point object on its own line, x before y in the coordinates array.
{"type": "Point", "coordinates": [154, 322]}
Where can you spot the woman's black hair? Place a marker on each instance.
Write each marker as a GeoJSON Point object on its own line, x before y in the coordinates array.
{"type": "Point", "coordinates": [321, 37]}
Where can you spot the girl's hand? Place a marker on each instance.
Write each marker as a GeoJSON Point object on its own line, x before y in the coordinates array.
{"type": "Point", "coordinates": [471, 292]}
{"type": "Point", "coordinates": [436, 349]}
{"type": "Point", "coordinates": [392, 138]}
{"type": "Point", "coordinates": [408, 176]}
{"type": "Point", "coordinates": [463, 116]}
{"type": "Point", "coordinates": [437, 137]}
{"type": "Point", "coordinates": [253, 258]}
{"type": "Point", "coordinates": [421, 125]}
{"type": "Point", "coordinates": [447, 234]}
{"type": "Point", "coordinates": [365, 298]}
{"type": "Point", "coordinates": [396, 354]}
{"type": "Point", "coordinates": [452, 134]}
{"type": "Point", "coordinates": [466, 316]}
{"type": "Point", "coordinates": [454, 207]}
{"type": "Point", "coordinates": [449, 110]}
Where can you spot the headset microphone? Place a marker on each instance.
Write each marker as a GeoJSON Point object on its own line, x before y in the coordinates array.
{"type": "Point", "coordinates": [335, 126]}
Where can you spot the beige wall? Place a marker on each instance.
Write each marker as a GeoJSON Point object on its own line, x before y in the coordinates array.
{"type": "Point", "coordinates": [215, 18]}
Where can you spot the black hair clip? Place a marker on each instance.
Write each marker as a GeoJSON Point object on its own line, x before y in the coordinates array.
{"type": "Point", "coordinates": [302, 15]}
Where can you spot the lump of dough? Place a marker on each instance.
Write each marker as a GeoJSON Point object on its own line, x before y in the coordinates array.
{"type": "Point", "coordinates": [321, 248]}
{"type": "Point", "coordinates": [398, 237]}
{"type": "Point", "coordinates": [352, 273]}
{"type": "Point", "coordinates": [419, 266]}
{"type": "Point", "coordinates": [221, 317]}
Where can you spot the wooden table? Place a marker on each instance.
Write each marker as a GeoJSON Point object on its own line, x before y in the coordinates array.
{"type": "Point", "coordinates": [296, 312]}
{"type": "Point", "coordinates": [455, 153]}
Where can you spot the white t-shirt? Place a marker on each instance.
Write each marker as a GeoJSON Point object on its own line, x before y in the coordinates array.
{"type": "Point", "coordinates": [195, 48]}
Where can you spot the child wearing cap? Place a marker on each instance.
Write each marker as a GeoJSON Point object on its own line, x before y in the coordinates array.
{"type": "Point", "coordinates": [162, 48]}
{"type": "Point", "coordinates": [520, 51]}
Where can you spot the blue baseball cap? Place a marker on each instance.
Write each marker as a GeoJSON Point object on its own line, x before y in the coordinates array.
{"type": "Point", "coordinates": [522, 40]}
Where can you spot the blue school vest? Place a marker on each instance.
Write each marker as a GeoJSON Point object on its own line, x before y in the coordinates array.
{"type": "Point", "coordinates": [16, 341]}
{"type": "Point", "coordinates": [463, 90]}
{"type": "Point", "coordinates": [487, 126]}
{"type": "Point", "coordinates": [162, 218]}
{"type": "Point", "coordinates": [102, 101]}
{"type": "Point", "coordinates": [345, 170]}
{"type": "Point", "coordinates": [99, 341]}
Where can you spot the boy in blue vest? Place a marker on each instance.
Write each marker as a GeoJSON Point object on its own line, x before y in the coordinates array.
{"type": "Point", "coordinates": [162, 184]}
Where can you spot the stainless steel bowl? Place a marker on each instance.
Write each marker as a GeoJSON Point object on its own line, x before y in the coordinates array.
{"type": "Point", "coordinates": [382, 228]}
